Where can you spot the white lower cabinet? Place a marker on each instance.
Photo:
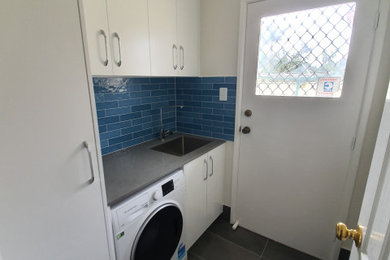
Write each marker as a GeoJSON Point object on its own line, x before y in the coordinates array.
{"type": "Point", "coordinates": [204, 179]}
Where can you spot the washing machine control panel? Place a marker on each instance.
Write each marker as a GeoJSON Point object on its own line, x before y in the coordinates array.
{"type": "Point", "coordinates": [167, 187]}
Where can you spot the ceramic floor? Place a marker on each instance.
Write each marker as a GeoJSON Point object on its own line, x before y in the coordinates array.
{"type": "Point", "coordinates": [220, 242]}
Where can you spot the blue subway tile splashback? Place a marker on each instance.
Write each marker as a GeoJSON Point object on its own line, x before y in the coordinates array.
{"type": "Point", "coordinates": [203, 113]}
{"type": "Point", "coordinates": [128, 109]}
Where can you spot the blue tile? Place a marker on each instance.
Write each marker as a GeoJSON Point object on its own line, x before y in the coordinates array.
{"type": "Point", "coordinates": [188, 80]}
{"type": "Point", "coordinates": [119, 125]}
{"type": "Point", "coordinates": [224, 85]}
{"type": "Point", "coordinates": [118, 111]}
{"type": "Point", "coordinates": [141, 107]}
{"type": "Point", "coordinates": [150, 87]}
{"type": "Point", "coordinates": [228, 131]}
{"type": "Point", "coordinates": [111, 149]}
{"type": "Point", "coordinates": [103, 143]}
{"type": "Point", "coordinates": [231, 80]}
{"type": "Point", "coordinates": [142, 133]}
{"type": "Point", "coordinates": [101, 113]}
{"type": "Point", "coordinates": [213, 117]}
{"type": "Point", "coordinates": [108, 120]}
{"type": "Point", "coordinates": [212, 105]}
{"type": "Point", "coordinates": [130, 116]}
{"type": "Point", "coordinates": [210, 92]}
{"type": "Point", "coordinates": [228, 119]}
{"type": "Point", "coordinates": [109, 135]}
{"type": "Point", "coordinates": [120, 139]}
{"type": "Point", "coordinates": [140, 94]}
{"type": "Point", "coordinates": [130, 130]}
{"type": "Point", "coordinates": [213, 79]}
{"type": "Point", "coordinates": [129, 102]}
{"type": "Point", "coordinates": [102, 128]}
{"type": "Point", "coordinates": [138, 80]}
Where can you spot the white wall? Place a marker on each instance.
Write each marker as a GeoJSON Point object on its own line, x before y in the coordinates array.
{"type": "Point", "coordinates": [219, 37]}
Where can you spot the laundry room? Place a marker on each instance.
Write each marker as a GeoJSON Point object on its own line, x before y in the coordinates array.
{"type": "Point", "coordinates": [195, 130]}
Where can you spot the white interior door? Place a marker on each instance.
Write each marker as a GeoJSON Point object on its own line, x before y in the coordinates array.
{"type": "Point", "coordinates": [375, 213]}
{"type": "Point", "coordinates": [305, 66]}
{"type": "Point", "coordinates": [49, 210]}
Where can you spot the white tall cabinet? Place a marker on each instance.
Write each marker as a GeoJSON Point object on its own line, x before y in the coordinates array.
{"type": "Point", "coordinates": [204, 179]}
{"type": "Point", "coordinates": [50, 209]}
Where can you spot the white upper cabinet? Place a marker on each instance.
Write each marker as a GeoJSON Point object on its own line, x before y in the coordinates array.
{"type": "Point", "coordinates": [188, 36]}
{"type": "Point", "coordinates": [129, 37]}
{"type": "Point", "coordinates": [95, 18]}
{"type": "Point", "coordinates": [164, 50]}
{"type": "Point", "coordinates": [143, 37]}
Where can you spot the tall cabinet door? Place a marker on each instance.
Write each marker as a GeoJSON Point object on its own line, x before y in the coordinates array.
{"type": "Point", "coordinates": [195, 173]}
{"type": "Point", "coordinates": [129, 36]}
{"type": "Point", "coordinates": [95, 19]}
{"type": "Point", "coordinates": [215, 183]}
{"type": "Point", "coordinates": [188, 32]}
{"type": "Point", "coordinates": [50, 209]}
{"type": "Point", "coordinates": [164, 50]}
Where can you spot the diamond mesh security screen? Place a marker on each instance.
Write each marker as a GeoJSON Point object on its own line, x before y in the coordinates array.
{"type": "Point", "coordinates": [304, 53]}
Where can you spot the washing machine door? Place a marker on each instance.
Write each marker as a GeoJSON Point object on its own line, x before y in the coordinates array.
{"type": "Point", "coordinates": [160, 234]}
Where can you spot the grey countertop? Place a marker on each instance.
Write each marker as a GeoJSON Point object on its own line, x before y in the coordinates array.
{"type": "Point", "coordinates": [128, 171]}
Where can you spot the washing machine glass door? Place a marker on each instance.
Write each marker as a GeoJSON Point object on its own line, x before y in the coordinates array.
{"type": "Point", "coordinates": [159, 236]}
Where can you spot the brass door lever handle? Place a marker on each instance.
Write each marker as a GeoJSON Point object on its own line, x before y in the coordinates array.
{"type": "Point", "coordinates": [342, 233]}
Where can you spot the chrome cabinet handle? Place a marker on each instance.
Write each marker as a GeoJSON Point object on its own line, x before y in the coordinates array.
{"type": "Point", "coordinates": [86, 146]}
{"type": "Point", "coordinates": [182, 57]}
{"type": "Point", "coordinates": [207, 169]}
{"type": "Point", "coordinates": [174, 54]}
{"type": "Point", "coordinates": [116, 35]}
{"type": "Point", "coordinates": [105, 62]}
{"type": "Point", "coordinates": [212, 166]}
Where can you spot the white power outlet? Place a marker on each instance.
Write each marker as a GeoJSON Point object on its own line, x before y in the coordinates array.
{"type": "Point", "coordinates": [222, 94]}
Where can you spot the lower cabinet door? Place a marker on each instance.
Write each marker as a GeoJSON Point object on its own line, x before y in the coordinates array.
{"type": "Point", "coordinates": [215, 183]}
{"type": "Point", "coordinates": [195, 173]}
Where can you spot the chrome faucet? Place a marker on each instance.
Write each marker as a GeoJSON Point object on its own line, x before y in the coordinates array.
{"type": "Point", "coordinates": [165, 133]}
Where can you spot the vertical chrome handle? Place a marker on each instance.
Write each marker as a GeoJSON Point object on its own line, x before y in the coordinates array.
{"type": "Point", "coordinates": [86, 146]}
{"type": "Point", "coordinates": [207, 169]}
{"type": "Point", "coordinates": [182, 57]}
{"type": "Point", "coordinates": [174, 54]}
{"type": "Point", "coordinates": [116, 35]}
{"type": "Point", "coordinates": [212, 166]}
{"type": "Point", "coordinates": [105, 62]}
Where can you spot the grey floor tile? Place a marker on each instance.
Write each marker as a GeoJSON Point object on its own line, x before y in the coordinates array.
{"type": "Point", "coordinates": [192, 256]}
{"type": "Point", "coordinates": [240, 236]}
{"type": "Point", "coordinates": [211, 246]}
{"type": "Point", "coordinates": [276, 251]}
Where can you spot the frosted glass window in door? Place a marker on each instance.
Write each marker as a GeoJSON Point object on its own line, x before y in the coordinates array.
{"type": "Point", "coordinates": [305, 53]}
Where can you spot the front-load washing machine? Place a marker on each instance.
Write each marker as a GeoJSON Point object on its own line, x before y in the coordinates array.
{"type": "Point", "coordinates": [149, 225]}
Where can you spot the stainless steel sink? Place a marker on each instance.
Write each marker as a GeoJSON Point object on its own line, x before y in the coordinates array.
{"type": "Point", "coordinates": [181, 145]}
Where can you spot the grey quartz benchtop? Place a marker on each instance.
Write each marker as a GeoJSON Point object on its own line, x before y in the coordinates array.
{"type": "Point", "coordinates": [128, 171]}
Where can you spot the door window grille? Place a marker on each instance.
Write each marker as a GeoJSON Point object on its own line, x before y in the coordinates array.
{"type": "Point", "coordinates": [305, 53]}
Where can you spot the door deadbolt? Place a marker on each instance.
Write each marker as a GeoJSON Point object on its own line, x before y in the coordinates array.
{"type": "Point", "coordinates": [246, 130]}
{"type": "Point", "coordinates": [248, 112]}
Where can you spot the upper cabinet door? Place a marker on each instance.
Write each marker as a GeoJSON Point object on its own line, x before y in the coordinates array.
{"type": "Point", "coordinates": [95, 19]}
{"type": "Point", "coordinates": [163, 41]}
{"type": "Point", "coordinates": [188, 33]}
{"type": "Point", "coordinates": [129, 37]}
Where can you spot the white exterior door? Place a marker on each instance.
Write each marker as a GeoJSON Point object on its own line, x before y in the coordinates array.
{"type": "Point", "coordinates": [49, 209]}
{"type": "Point", "coordinates": [303, 79]}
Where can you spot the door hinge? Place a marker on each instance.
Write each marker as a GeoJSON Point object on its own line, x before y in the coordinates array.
{"type": "Point", "coordinates": [353, 144]}
{"type": "Point", "coordinates": [239, 129]}
{"type": "Point", "coordinates": [378, 14]}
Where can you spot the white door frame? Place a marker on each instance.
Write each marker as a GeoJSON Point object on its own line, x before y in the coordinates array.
{"type": "Point", "coordinates": [364, 115]}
